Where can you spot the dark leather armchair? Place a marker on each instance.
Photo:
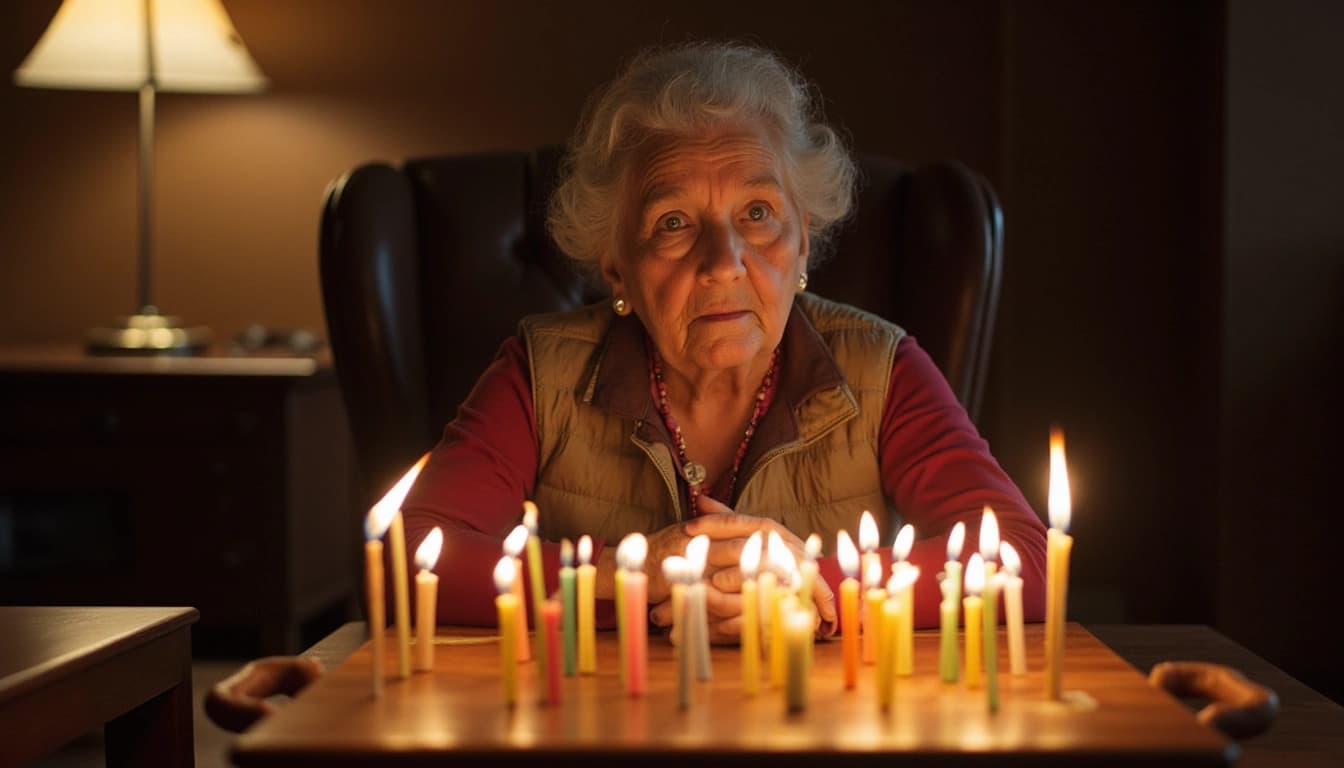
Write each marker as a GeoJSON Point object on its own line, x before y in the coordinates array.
{"type": "Point", "coordinates": [427, 268]}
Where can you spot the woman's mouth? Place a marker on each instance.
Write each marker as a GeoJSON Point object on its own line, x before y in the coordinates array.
{"type": "Point", "coordinates": [719, 317]}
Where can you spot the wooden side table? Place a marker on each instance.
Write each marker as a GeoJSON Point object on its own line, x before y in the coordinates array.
{"type": "Point", "coordinates": [66, 670]}
{"type": "Point", "coordinates": [219, 482]}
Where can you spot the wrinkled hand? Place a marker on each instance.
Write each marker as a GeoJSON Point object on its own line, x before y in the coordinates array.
{"type": "Point", "coordinates": [238, 701]}
{"type": "Point", "coordinates": [723, 609]}
{"type": "Point", "coordinates": [725, 551]}
{"type": "Point", "coordinates": [1237, 707]}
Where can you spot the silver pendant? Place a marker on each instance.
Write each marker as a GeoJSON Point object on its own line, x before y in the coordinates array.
{"type": "Point", "coordinates": [695, 473]}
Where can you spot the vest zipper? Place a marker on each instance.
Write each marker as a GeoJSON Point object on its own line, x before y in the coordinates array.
{"type": "Point", "coordinates": [669, 479]}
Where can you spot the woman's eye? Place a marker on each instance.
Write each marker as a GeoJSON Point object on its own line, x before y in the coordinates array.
{"type": "Point", "coordinates": [757, 213]}
{"type": "Point", "coordinates": [672, 223]}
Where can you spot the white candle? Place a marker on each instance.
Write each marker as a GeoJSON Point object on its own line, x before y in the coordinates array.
{"type": "Point", "coordinates": [905, 637]}
{"type": "Point", "coordinates": [1012, 608]}
{"type": "Point", "coordinates": [676, 573]}
{"type": "Point", "coordinates": [697, 553]}
{"type": "Point", "coordinates": [426, 598]}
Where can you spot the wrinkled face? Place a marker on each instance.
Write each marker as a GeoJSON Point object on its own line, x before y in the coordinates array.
{"type": "Point", "coordinates": [709, 248]}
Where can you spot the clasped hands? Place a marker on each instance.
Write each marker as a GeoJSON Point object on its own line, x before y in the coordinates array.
{"type": "Point", "coordinates": [728, 533]}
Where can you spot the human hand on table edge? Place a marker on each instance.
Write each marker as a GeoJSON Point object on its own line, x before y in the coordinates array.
{"type": "Point", "coordinates": [240, 700]}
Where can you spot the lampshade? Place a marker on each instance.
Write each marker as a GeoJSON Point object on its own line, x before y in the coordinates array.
{"type": "Point", "coordinates": [100, 45]}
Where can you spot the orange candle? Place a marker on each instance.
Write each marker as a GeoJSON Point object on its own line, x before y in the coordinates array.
{"type": "Point", "coordinates": [426, 598]}
{"type": "Point", "coordinates": [630, 557]}
{"type": "Point", "coordinates": [551, 615]}
{"type": "Point", "coordinates": [849, 605]}
{"type": "Point", "coordinates": [507, 606]}
{"type": "Point", "coordinates": [373, 585]}
{"type": "Point", "coordinates": [513, 549]}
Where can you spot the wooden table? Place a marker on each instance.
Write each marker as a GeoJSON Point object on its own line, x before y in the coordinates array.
{"type": "Point", "coordinates": [455, 716]}
{"type": "Point", "coordinates": [66, 670]}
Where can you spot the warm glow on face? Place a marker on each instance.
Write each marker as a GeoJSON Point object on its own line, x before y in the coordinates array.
{"type": "Point", "coordinates": [867, 532]}
{"type": "Point", "coordinates": [975, 575]}
{"type": "Point", "coordinates": [905, 541]}
{"type": "Point", "coordinates": [382, 513]}
{"type": "Point", "coordinates": [847, 553]}
{"type": "Point", "coordinates": [697, 552]}
{"type": "Point", "coordinates": [427, 554]}
{"type": "Point", "coordinates": [1060, 502]}
{"type": "Point", "coordinates": [872, 577]}
{"type": "Point", "coordinates": [504, 574]}
{"type": "Point", "coordinates": [1012, 564]}
{"type": "Point", "coordinates": [515, 541]}
{"type": "Point", "coordinates": [530, 517]}
{"type": "Point", "coordinates": [585, 549]}
{"type": "Point", "coordinates": [750, 561]}
{"type": "Point", "coordinates": [956, 541]}
{"type": "Point", "coordinates": [989, 535]}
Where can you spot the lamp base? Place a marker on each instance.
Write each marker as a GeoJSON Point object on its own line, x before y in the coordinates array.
{"type": "Point", "coordinates": [148, 333]}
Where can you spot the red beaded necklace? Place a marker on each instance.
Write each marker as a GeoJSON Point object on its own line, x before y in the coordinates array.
{"type": "Point", "coordinates": [693, 472]}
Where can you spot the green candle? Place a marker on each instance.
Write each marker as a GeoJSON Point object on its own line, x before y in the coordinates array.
{"type": "Point", "coordinates": [570, 607]}
{"type": "Point", "coordinates": [538, 587]}
{"type": "Point", "coordinates": [949, 662]}
{"type": "Point", "coordinates": [991, 644]}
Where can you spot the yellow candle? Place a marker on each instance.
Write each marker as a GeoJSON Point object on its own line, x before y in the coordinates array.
{"type": "Point", "coordinates": [949, 664]}
{"type": "Point", "coordinates": [849, 606]}
{"type": "Point", "coordinates": [872, 611]}
{"type": "Point", "coordinates": [401, 578]}
{"type": "Point", "coordinates": [749, 563]}
{"type": "Point", "coordinates": [587, 597]}
{"type": "Point", "coordinates": [426, 598]}
{"type": "Point", "coordinates": [798, 637]}
{"type": "Point", "coordinates": [808, 571]}
{"type": "Point", "coordinates": [874, 598]}
{"type": "Point", "coordinates": [373, 584]}
{"type": "Point", "coordinates": [538, 582]}
{"type": "Point", "coordinates": [783, 566]}
{"type": "Point", "coordinates": [971, 605]}
{"type": "Point", "coordinates": [382, 516]}
{"type": "Point", "coordinates": [1012, 608]}
{"type": "Point", "coordinates": [507, 606]}
{"type": "Point", "coordinates": [888, 638]}
{"type": "Point", "coordinates": [905, 638]}
{"type": "Point", "coordinates": [514, 544]}
{"type": "Point", "coordinates": [675, 570]}
{"type": "Point", "coordinates": [868, 537]}
{"type": "Point", "coordinates": [1058, 546]}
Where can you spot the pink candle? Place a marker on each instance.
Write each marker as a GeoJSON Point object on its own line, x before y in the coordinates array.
{"type": "Point", "coordinates": [551, 614]}
{"type": "Point", "coordinates": [635, 604]}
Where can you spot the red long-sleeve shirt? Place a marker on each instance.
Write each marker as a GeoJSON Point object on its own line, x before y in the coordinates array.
{"type": "Point", "coordinates": [936, 470]}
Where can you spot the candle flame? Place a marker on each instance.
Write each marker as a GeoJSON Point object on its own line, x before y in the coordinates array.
{"type": "Point", "coordinates": [784, 563]}
{"type": "Point", "coordinates": [956, 541]}
{"type": "Point", "coordinates": [905, 541]}
{"type": "Point", "coordinates": [632, 550]}
{"type": "Point", "coordinates": [872, 578]}
{"type": "Point", "coordinates": [697, 552]}
{"type": "Point", "coordinates": [676, 569]}
{"type": "Point", "coordinates": [585, 549]}
{"type": "Point", "coordinates": [1060, 501]}
{"type": "Point", "coordinates": [380, 516]}
{"type": "Point", "coordinates": [1012, 564]}
{"type": "Point", "coordinates": [975, 575]}
{"type": "Point", "coordinates": [505, 573]}
{"type": "Point", "coordinates": [847, 553]}
{"type": "Point", "coordinates": [515, 541]}
{"type": "Point", "coordinates": [867, 532]}
{"type": "Point", "coordinates": [566, 553]}
{"type": "Point", "coordinates": [902, 578]}
{"type": "Point", "coordinates": [530, 517]}
{"type": "Point", "coordinates": [812, 547]}
{"type": "Point", "coordinates": [989, 536]}
{"type": "Point", "coordinates": [750, 561]}
{"type": "Point", "coordinates": [427, 554]}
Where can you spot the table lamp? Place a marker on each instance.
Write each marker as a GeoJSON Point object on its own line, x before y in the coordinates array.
{"type": "Point", "coordinates": [145, 46]}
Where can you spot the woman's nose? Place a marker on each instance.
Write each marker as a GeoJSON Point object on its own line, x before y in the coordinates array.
{"type": "Point", "coordinates": [723, 253]}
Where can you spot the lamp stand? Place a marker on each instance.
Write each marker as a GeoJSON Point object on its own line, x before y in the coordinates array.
{"type": "Point", "coordinates": [147, 332]}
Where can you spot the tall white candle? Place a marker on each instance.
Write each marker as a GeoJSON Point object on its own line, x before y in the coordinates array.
{"type": "Point", "coordinates": [1012, 608]}
{"type": "Point", "coordinates": [697, 553]}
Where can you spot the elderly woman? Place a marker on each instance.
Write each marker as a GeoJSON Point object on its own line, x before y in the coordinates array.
{"type": "Point", "coordinates": [712, 394]}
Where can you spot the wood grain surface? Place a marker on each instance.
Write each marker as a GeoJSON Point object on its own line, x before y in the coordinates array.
{"type": "Point", "coordinates": [455, 715]}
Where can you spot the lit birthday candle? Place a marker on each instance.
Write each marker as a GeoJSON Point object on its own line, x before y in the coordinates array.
{"type": "Point", "coordinates": [991, 619]}
{"type": "Point", "coordinates": [551, 616]}
{"type": "Point", "coordinates": [1058, 546]}
{"type": "Point", "coordinates": [767, 583]}
{"type": "Point", "coordinates": [798, 625]}
{"type": "Point", "coordinates": [749, 563]}
{"type": "Point", "coordinates": [507, 607]}
{"type": "Point", "coordinates": [895, 609]}
{"type": "Point", "coordinates": [587, 597]}
{"type": "Point", "coordinates": [697, 553]}
{"type": "Point", "coordinates": [975, 583]}
{"type": "Point", "coordinates": [905, 639]}
{"type": "Point", "coordinates": [396, 542]}
{"type": "Point", "coordinates": [868, 545]}
{"type": "Point", "coordinates": [989, 541]}
{"type": "Point", "coordinates": [375, 525]}
{"type": "Point", "coordinates": [949, 610]}
{"type": "Point", "coordinates": [786, 569]}
{"type": "Point", "coordinates": [808, 571]}
{"type": "Point", "coordinates": [538, 583]}
{"type": "Point", "coordinates": [676, 572]}
{"type": "Point", "coordinates": [848, 555]}
{"type": "Point", "coordinates": [873, 598]}
{"type": "Point", "coordinates": [634, 602]}
{"type": "Point", "coordinates": [569, 604]}
{"type": "Point", "coordinates": [1012, 608]}
{"type": "Point", "coordinates": [426, 598]}
{"type": "Point", "coordinates": [514, 544]}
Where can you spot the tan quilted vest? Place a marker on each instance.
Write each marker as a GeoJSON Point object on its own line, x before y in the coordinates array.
{"type": "Point", "coordinates": [606, 464]}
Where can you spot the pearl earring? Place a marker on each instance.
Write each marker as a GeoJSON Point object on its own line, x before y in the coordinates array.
{"type": "Point", "coordinates": [802, 281]}
{"type": "Point", "coordinates": [619, 306]}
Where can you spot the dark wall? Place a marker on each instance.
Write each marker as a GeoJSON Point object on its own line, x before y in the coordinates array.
{"type": "Point", "coordinates": [1126, 299]}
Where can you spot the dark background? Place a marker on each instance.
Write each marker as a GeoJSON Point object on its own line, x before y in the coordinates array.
{"type": "Point", "coordinates": [1168, 171]}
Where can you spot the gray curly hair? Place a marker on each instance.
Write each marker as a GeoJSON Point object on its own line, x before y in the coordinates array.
{"type": "Point", "coordinates": [684, 90]}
